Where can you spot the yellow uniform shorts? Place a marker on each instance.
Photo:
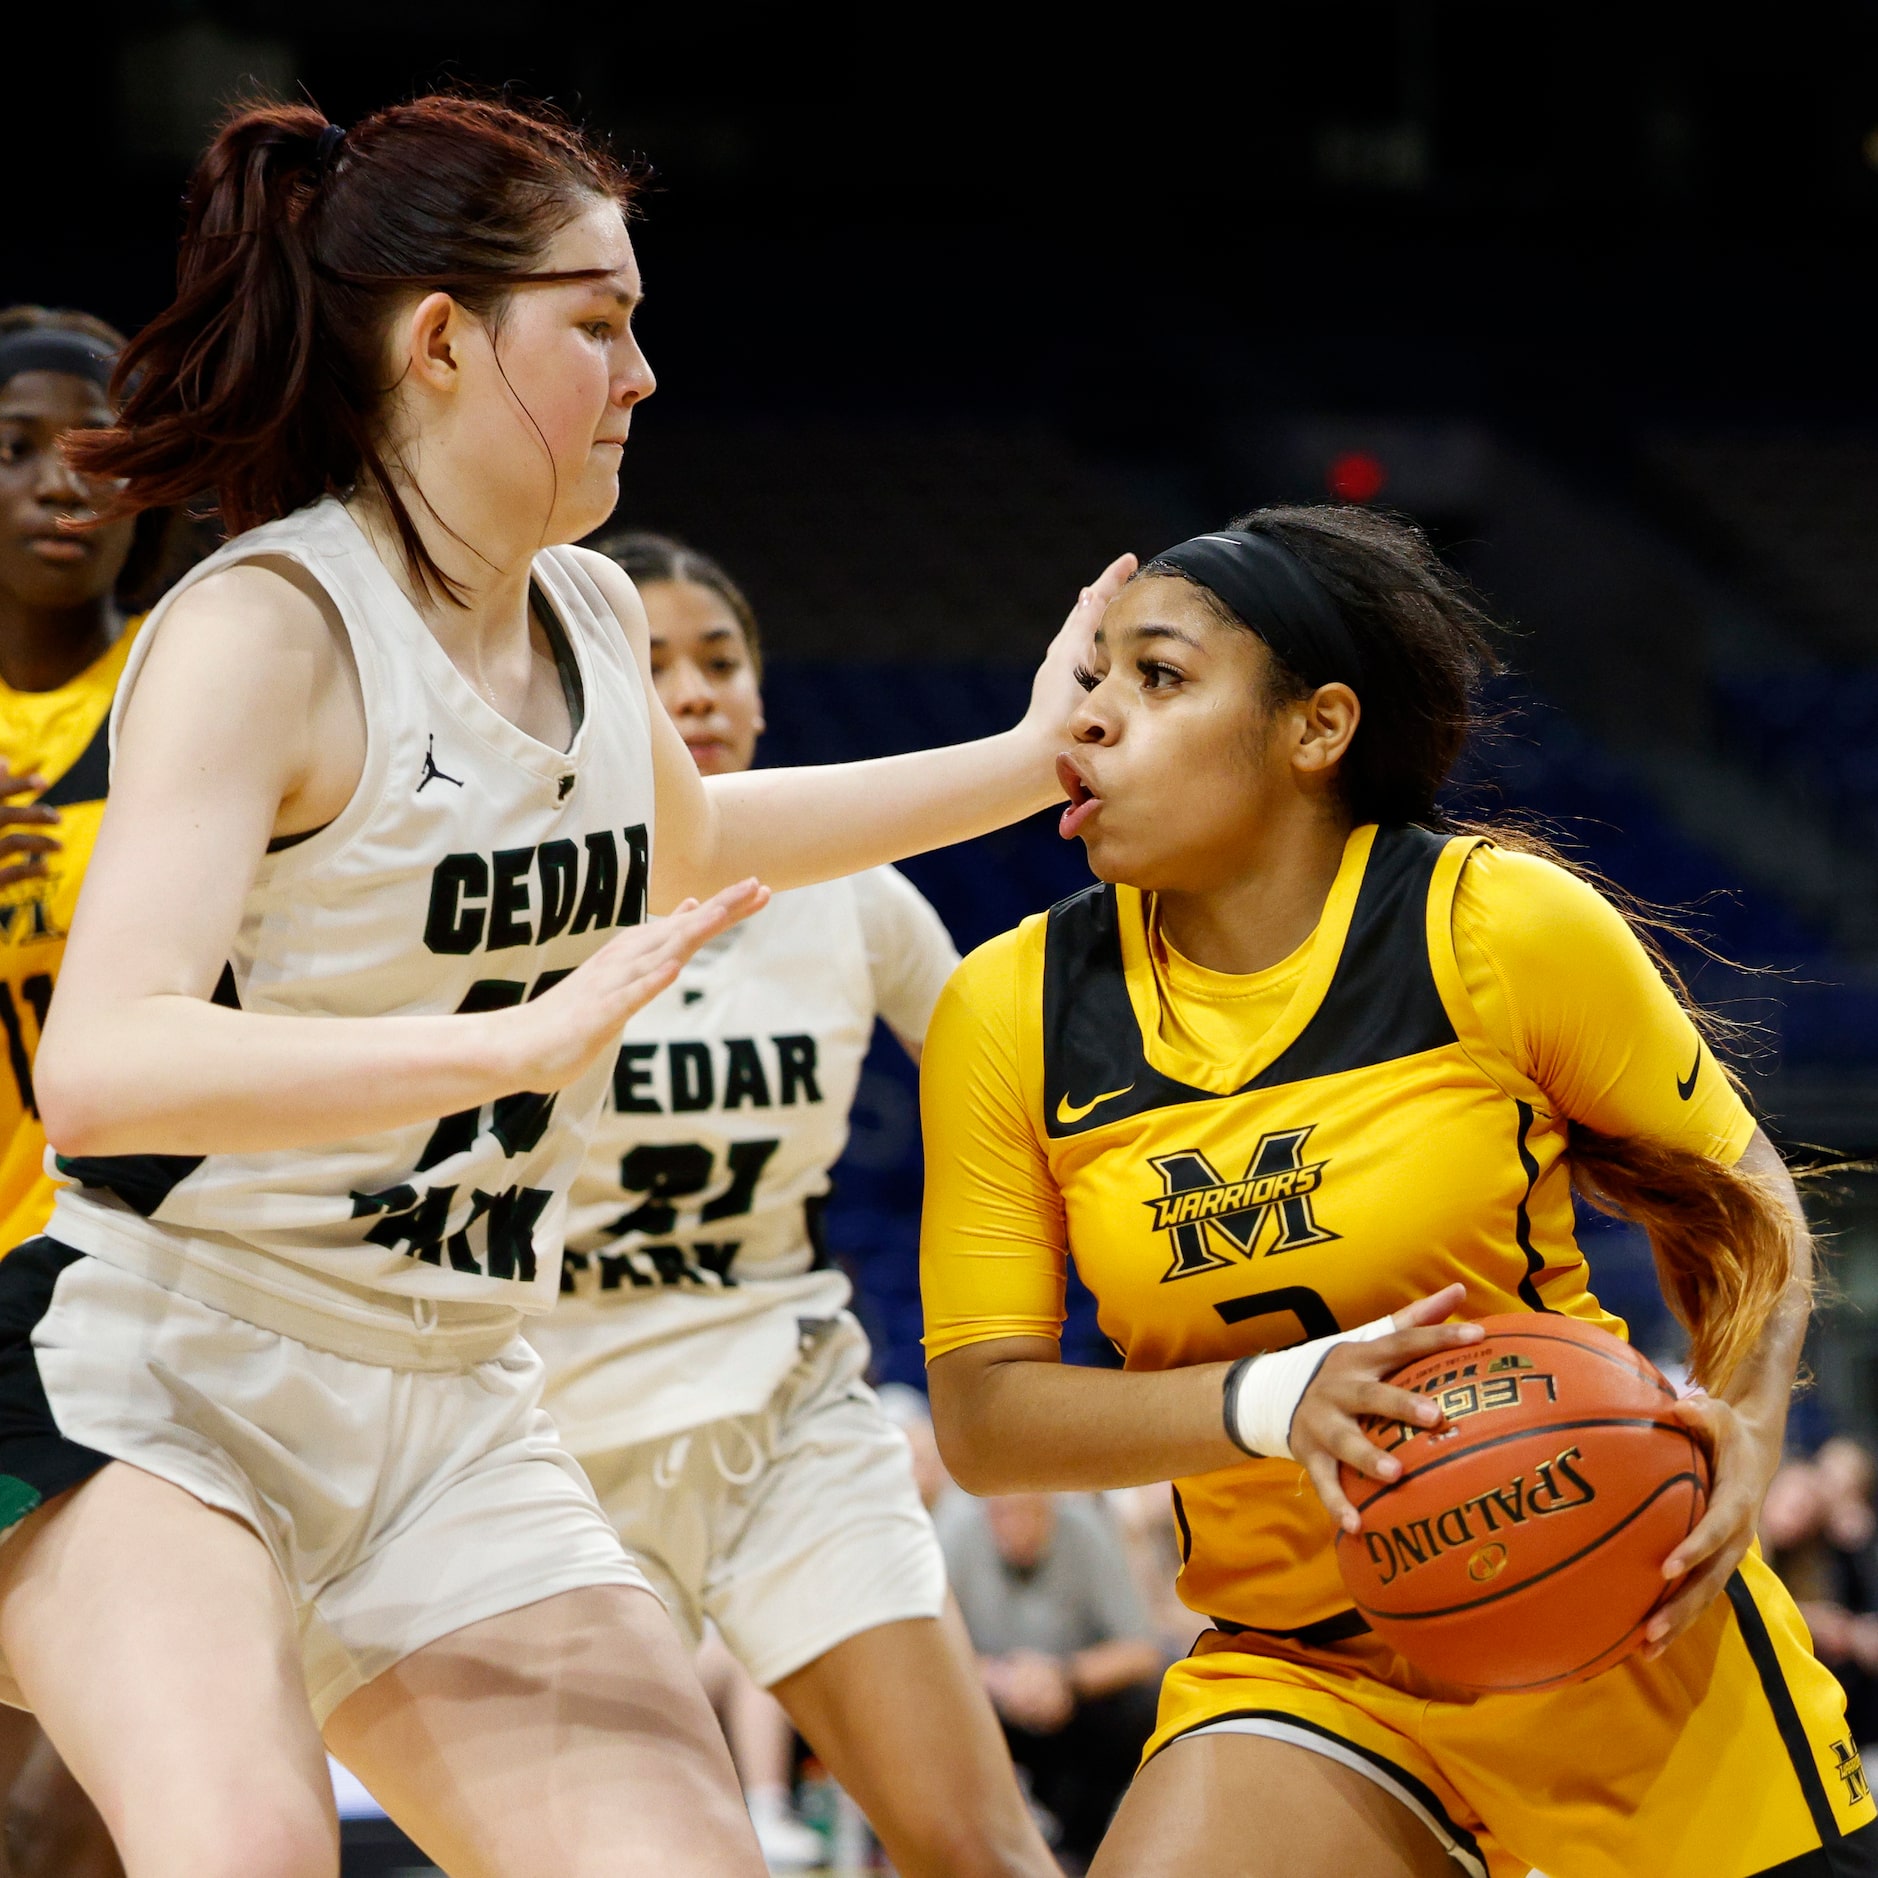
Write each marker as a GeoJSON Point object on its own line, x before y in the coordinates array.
{"type": "Point", "coordinates": [1726, 1758]}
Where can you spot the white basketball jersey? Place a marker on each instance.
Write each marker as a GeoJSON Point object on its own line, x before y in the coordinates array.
{"type": "Point", "coordinates": [472, 868]}
{"type": "Point", "coordinates": [695, 1213]}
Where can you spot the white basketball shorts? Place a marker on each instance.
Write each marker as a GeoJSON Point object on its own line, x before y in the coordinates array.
{"type": "Point", "coordinates": [399, 1505]}
{"type": "Point", "coordinates": [791, 1530]}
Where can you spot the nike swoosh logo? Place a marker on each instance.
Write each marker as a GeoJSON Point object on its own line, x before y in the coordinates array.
{"type": "Point", "coordinates": [1685, 1087]}
{"type": "Point", "coordinates": [1066, 1113]}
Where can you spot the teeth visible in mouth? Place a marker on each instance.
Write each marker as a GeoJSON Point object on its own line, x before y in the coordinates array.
{"type": "Point", "coordinates": [1083, 803]}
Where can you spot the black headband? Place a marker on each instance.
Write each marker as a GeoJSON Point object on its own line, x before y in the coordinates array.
{"type": "Point", "coordinates": [1277, 596]}
{"type": "Point", "coordinates": [327, 146]}
{"type": "Point", "coordinates": [52, 349]}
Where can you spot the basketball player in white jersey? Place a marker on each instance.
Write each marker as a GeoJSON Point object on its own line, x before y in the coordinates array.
{"type": "Point", "coordinates": [391, 802]}
{"type": "Point", "coordinates": [703, 1366]}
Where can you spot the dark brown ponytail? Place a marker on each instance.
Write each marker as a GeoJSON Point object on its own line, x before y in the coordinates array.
{"type": "Point", "coordinates": [263, 381]}
{"type": "Point", "coordinates": [1722, 1237]}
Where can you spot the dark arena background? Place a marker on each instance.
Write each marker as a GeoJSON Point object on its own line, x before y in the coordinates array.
{"type": "Point", "coordinates": [947, 308]}
{"type": "Point", "coordinates": [949, 305]}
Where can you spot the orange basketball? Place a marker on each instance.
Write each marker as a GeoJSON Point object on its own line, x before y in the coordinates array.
{"type": "Point", "coordinates": [1522, 1546]}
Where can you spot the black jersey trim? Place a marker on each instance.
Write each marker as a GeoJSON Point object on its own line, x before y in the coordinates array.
{"type": "Point", "coordinates": [1318, 1636]}
{"type": "Point", "coordinates": [37, 1462]}
{"type": "Point", "coordinates": [142, 1181]}
{"type": "Point", "coordinates": [1381, 1762]}
{"type": "Point", "coordinates": [1186, 1530]}
{"type": "Point", "coordinates": [1854, 1856]}
{"type": "Point", "coordinates": [1793, 1736]}
{"type": "Point", "coordinates": [89, 777]}
{"type": "Point", "coordinates": [281, 843]}
{"type": "Point", "coordinates": [566, 660]}
{"type": "Point", "coordinates": [1381, 1004]}
{"type": "Point", "coordinates": [1522, 1215]}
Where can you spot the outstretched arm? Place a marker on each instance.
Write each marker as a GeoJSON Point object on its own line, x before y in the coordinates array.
{"type": "Point", "coordinates": [791, 827]}
{"type": "Point", "coordinates": [237, 712]}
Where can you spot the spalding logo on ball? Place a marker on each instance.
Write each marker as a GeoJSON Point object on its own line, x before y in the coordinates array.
{"type": "Point", "coordinates": [1522, 1546]}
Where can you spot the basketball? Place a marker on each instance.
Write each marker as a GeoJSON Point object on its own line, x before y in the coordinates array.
{"type": "Point", "coordinates": [1522, 1546]}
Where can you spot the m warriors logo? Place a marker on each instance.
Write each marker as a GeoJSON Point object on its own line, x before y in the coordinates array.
{"type": "Point", "coordinates": [1267, 1208]}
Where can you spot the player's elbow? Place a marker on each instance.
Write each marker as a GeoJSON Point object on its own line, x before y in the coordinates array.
{"type": "Point", "coordinates": [74, 1099]}
{"type": "Point", "coordinates": [73, 1125]}
{"type": "Point", "coordinates": [974, 1465]}
{"type": "Point", "coordinates": [975, 1440]}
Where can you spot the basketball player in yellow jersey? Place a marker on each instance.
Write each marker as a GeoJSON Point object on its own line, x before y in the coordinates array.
{"type": "Point", "coordinates": [65, 630]}
{"type": "Point", "coordinates": [64, 636]}
{"type": "Point", "coordinates": [1301, 1080]}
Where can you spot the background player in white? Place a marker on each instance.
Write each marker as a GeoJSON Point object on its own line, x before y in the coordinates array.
{"type": "Point", "coordinates": [340, 1001]}
{"type": "Point", "coordinates": [703, 1367]}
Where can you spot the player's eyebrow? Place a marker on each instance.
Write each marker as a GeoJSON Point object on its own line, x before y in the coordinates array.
{"type": "Point", "coordinates": [624, 296]}
{"type": "Point", "coordinates": [1153, 629]}
{"type": "Point", "coordinates": [710, 633]}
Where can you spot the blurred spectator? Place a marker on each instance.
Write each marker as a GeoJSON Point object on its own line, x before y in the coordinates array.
{"type": "Point", "coordinates": [1144, 1516]}
{"type": "Point", "coordinates": [1818, 1525]}
{"type": "Point", "coordinates": [906, 1408]}
{"type": "Point", "coordinates": [1067, 1653]}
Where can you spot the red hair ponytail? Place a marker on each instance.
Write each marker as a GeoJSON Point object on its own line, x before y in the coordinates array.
{"type": "Point", "coordinates": [263, 381]}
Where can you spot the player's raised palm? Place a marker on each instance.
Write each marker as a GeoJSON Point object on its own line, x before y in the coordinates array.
{"type": "Point", "coordinates": [558, 1035]}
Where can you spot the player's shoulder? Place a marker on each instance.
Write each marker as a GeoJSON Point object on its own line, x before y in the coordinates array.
{"type": "Point", "coordinates": [590, 561]}
{"type": "Point", "coordinates": [248, 616]}
{"type": "Point", "coordinates": [876, 887]}
{"type": "Point", "coordinates": [271, 592]}
{"type": "Point", "coordinates": [1515, 897]}
{"type": "Point", "coordinates": [997, 980]}
{"type": "Point", "coordinates": [884, 897]}
{"type": "Point", "coordinates": [1010, 959]}
{"type": "Point", "coordinates": [605, 574]}
{"type": "Point", "coordinates": [819, 900]}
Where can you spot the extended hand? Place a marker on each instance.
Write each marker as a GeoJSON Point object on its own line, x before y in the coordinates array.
{"type": "Point", "coordinates": [1742, 1461]}
{"type": "Point", "coordinates": [22, 855]}
{"type": "Point", "coordinates": [557, 1035]}
{"type": "Point", "coordinates": [1325, 1429]}
{"type": "Point", "coordinates": [1054, 693]}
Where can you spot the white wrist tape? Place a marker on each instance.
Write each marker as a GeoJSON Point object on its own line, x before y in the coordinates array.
{"type": "Point", "coordinates": [1263, 1392]}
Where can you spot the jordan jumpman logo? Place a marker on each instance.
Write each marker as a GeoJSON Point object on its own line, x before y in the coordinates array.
{"type": "Point", "coordinates": [431, 772]}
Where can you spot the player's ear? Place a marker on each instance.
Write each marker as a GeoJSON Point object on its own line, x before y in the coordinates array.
{"type": "Point", "coordinates": [425, 342]}
{"type": "Point", "coordinates": [1327, 720]}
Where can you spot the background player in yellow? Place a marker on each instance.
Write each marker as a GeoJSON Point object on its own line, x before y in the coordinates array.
{"type": "Point", "coordinates": [66, 626]}
{"type": "Point", "coordinates": [1305, 1068]}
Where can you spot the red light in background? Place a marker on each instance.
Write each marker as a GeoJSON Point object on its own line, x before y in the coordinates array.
{"type": "Point", "coordinates": [1356, 476]}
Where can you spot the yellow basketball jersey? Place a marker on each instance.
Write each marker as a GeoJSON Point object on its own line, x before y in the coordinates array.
{"type": "Point", "coordinates": [1368, 1145]}
{"type": "Point", "coordinates": [61, 735]}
